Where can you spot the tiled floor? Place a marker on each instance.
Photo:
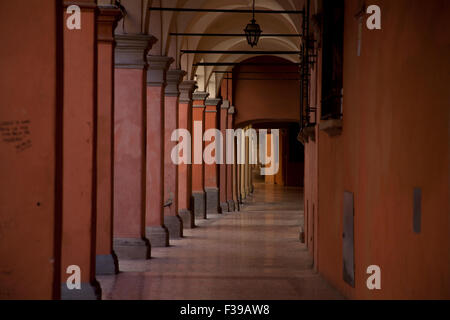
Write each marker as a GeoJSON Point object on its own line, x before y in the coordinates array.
{"type": "Point", "coordinates": [251, 255]}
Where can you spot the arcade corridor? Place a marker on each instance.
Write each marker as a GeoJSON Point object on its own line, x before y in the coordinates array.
{"type": "Point", "coordinates": [249, 255]}
{"type": "Point", "coordinates": [130, 129]}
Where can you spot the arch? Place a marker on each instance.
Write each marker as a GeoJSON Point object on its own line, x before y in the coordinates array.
{"type": "Point", "coordinates": [165, 22]}
{"type": "Point", "coordinates": [274, 96]}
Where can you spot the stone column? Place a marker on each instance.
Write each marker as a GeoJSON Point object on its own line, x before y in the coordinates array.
{"type": "Point", "coordinates": [156, 229]}
{"type": "Point", "coordinates": [242, 166]}
{"type": "Point", "coordinates": [238, 149]}
{"type": "Point", "coordinates": [129, 151]}
{"type": "Point", "coordinates": [249, 160]}
{"type": "Point", "coordinates": [211, 170]}
{"type": "Point", "coordinates": [231, 179]}
{"type": "Point", "coordinates": [279, 176]}
{"type": "Point", "coordinates": [223, 181]}
{"type": "Point", "coordinates": [198, 182]}
{"type": "Point", "coordinates": [252, 187]}
{"type": "Point", "coordinates": [247, 163]}
{"type": "Point", "coordinates": [106, 259]}
{"type": "Point", "coordinates": [269, 179]}
{"type": "Point", "coordinates": [172, 220]}
{"type": "Point", "coordinates": [184, 169]}
{"type": "Point", "coordinates": [79, 156]}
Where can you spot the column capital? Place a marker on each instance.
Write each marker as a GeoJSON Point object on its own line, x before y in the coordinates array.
{"type": "Point", "coordinates": [225, 104]}
{"type": "Point", "coordinates": [174, 78]}
{"type": "Point", "coordinates": [131, 50]}
{"type": "Point", "coordinates": [107, 18]}
{"type": "Point", "coordinates": [232, 110]}
{"type": "Point", "coordinates": [200, 96]}
{"type": "Point", "coordinates": [186, 89]}
{"type": "Point", "coordinates": [157, 70]}
{"type": "Point", "coordinates": [83, 4]}
{"type": "Point", "coordinates": [213, 102]}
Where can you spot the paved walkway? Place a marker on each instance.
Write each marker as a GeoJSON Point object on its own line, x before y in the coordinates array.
{"type": "Point", "coordinates": [251, 255]}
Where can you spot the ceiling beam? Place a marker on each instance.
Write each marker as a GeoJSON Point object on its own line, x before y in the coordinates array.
{"type": "Point", "coordinates": [289, 35]}
{"type": "Point", "coordinates": [264, 79]}
{"type": "Point", "coordinates": [259, 72]}
{"type": "Point", "coordinates": [238, 52]}
{"type": "Point", "coordinates": [225, 64]}
{"type": "Point", "coordinates": [228, 10]}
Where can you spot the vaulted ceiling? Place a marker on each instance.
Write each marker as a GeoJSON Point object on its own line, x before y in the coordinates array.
{"type": "Point", "coordinates": [161, 23]}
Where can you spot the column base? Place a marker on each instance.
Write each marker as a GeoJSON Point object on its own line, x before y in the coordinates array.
{"type": "Point", "coordinates": [158, 236]}
{"type": "Point", "coordinates": [231, 206]}
{"type": "Point", "coordinates": [224, 207]}
{"type": "Point", "coordinates": [132, 248]}
{"type": "Point", "coordinates": [107, 264]}
{"type": "Point", "coordinates": [198, 201]}
{"type": "Point", "coordinates": [175, 226]}
{"type": "Point", "coordinates": [188, 218]}
{"type": "Point", "coordinates": [212, 200]}
{"type": "Point", "coordinates": [88, 291]}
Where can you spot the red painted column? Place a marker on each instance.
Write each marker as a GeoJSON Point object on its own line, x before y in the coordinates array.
{"type": "Point", "coordinates": [172, 220]}
{"type": "Point", "coordinates": [79, 146]}
{"type": "Point", "coordinates": [211, 170]}
{"type": "Point", "coordinates": [106, 259]}
{"type": "Point", "coordinates": [237, 175]}
{"type": "Point", "coordinates": [30, 127]}
{"type": "Point", "coordinates": [223, 181]}
{"type": "Point", "coordinates": [156, 229]}
{"type": "Point", "coordinates": [185, 169]}
{"type": "Point", "coordinates": [232, 205]}
{"type": "Point", "coordinates": [198, 170]}
{"type": "Point", "coordinates": [129, 147]}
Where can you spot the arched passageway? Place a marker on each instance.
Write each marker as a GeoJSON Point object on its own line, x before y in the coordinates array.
{"type": "Point", "coordinates": [135, 129]}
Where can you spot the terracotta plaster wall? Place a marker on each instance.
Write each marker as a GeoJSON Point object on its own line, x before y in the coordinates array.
{"type": "Point", "coordinates": [395, 138]}
{"type": "Point", "coordinates": [28, 92]}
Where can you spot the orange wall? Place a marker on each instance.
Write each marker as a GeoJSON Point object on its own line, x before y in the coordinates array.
{"type": "Point", "coordinates": [395, 138]}
{"type": "Point", "coordinates": [28, 95]}
{"type": "Point", "coordinates": [265, 99]}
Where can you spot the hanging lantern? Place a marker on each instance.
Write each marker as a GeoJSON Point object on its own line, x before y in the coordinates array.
{"type": "Point", "coordinates": [253, 30]}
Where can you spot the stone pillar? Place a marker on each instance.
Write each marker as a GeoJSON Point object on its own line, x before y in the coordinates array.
{"type": "Point", "coordinates": [242, 166]}
{"type": "Point", "coordinates": [223, 181]}
{"type": "Point", "coordinates": [247, 163]}
{"type": "Point", "coordinates": [106, 259]}
{"type": "Point", "coordinates": [184, 169]}
{"type": "Point", "coordinates": [198, 182]}
{"type": "Point", "coordinates": [129, 150]}
{"type": "Point", "coordinates": [252, 187]}
{"type": "Point", "coordinates": [279, 176]}
{"type": "Point", "coordinates": [211, 170]}
{"type": "Point", "coordinates": [236, 196]}
{"type": "Point", "coordinates": [156, 229]}
{"type": "Point", "coordinates": [238, 149]}
{"type": "Point", "coordinates": [172, 220]}
{"type": "Point", "coordinates": [231, 179]}
{"type": "Point", "coordinates": [269, 179]}
{"type": "Point", "coordinates": [79, 156]}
